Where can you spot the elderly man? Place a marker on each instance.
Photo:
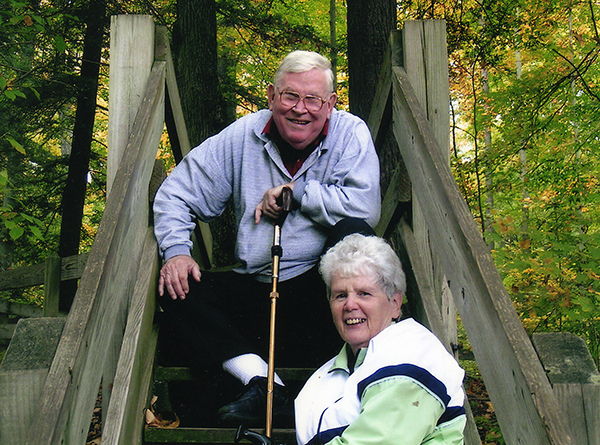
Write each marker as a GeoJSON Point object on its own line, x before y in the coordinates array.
{"type": "Point", "coordinates": [326, 157]}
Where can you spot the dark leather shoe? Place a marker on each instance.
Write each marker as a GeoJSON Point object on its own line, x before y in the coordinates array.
{"type": "Point", "coordinates": [250, 407]}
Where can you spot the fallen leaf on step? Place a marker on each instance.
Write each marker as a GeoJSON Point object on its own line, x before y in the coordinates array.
{"type": "Point", "coordinates": [160, 420]}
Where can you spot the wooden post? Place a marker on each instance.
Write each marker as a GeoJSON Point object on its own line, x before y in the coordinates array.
{"type": "Point", "coordinates": [22, 375]}
{"type": "Point", "coordinates": [575, 381]}
{"type": "Point", "coordinates": [132, 53]}
{"type": "Point", "coordinates": [131, 58]}
{"type": "Point", "coordinates": [426, 64]}
{"type": "Point", "coordinates": [52, 274]}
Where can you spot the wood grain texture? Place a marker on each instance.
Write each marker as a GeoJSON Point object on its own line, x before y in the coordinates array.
{"type": "Point", "coordinates": [124, 420]}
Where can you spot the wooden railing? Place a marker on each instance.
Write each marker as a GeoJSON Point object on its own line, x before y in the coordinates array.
{"type": "Point", "coordinates": [49, 274]}
{"type": "Point", "coordinates": [525, 404]}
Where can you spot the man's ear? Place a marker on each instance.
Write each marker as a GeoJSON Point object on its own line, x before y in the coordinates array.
{"type": "Point", "coordinates": [271, 95]}
{"type": "Point", "coordinates": [331, 103]}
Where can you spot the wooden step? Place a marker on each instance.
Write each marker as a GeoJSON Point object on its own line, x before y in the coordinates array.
{"type": "Point", "coordinates": [180, 373]}
{"type": "Point", "coordinates": [200, 436]}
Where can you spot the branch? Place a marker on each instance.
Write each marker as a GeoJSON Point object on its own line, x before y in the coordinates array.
{"type": "Point", "coordinates": [594, 21]}
{"type": "Point", "coordinates": [576, 70]}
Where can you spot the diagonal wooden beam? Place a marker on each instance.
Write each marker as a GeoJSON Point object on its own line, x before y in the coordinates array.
{"type": "Point", "coordinates": [525, 405]}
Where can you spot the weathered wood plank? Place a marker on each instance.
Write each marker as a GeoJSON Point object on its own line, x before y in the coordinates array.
{"type": "Point", "coordinates": [525, 405]}
{"type": "Point", "coordinates": [591, 404]}
{"type": "Point", "coordinates": [575, 381]}
{"type": "Point", "coordinates": [124, 419]}
{"type": "Point", "coordinates": [20, 392]}
{"type": "Point", "coordinates": [21, 277]}
{"type": "Point", "coordinates": [131, 58]}
{"type": "Point", "coordinates": [98, 312]}
{"type": "Point", "coordinates": [383, 92]}
{"type": "Point", "coordinates": [52, 286]}
{"type": "Point", "coordinates": [570, 399]}
{"type": "Point", "coordinates": [178, 133]}
{"type": "Point", "coordinates": [394, 195]}
{"type": "Point", "coordinates": [22, 375]}
{"type": "Point", "coordinates": [20, 309]}
{"type": "Point", "coordinates": [27, 276]}
{"type": "Point", "coordinates": [207, 435]}
{"type": "Point", "coordinates": [565, 357]}
{"type": "Point", "coordinates": [428, 313]}
{"type": "Point", "coordinates": [426, 63]}
{"type": "Point", "coordinates": [72, 266]}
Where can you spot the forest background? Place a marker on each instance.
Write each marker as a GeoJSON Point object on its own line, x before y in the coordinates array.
{"type": "Point", "coordinates": [524, 102]}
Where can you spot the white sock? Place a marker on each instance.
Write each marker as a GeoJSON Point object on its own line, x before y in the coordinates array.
{"type": "Point", "coordinates": [246, 366]}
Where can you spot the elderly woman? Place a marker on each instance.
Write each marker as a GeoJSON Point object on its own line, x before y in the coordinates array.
{"type": "Point", "coordinates": [393, 382]}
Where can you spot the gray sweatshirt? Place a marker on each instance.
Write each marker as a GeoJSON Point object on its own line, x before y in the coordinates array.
{"type": "Point", "coordinates": [339, 179]}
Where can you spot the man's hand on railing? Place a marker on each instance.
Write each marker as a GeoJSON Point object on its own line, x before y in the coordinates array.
{"type": "Point", "coordinates": [174, 276]}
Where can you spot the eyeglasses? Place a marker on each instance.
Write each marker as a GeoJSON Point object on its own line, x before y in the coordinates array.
{"type": "Point", "coordinates": [290, 99]}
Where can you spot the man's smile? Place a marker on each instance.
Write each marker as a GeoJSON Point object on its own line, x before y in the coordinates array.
{"type": "Point", "coordinates": [298, 121]}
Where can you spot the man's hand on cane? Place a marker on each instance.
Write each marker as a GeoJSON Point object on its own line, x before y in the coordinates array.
{"type": "Point", "coordinates": [269, 205]}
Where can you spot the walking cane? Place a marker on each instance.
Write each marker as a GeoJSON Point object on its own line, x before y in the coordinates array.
{"type": "Point", "coordinates": [276, 253]}
{"type": "Point", "coordinates": [285, 202]}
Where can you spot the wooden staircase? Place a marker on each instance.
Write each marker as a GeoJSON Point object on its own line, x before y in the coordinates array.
{"type": "Point", "coordinates": [110, 334]}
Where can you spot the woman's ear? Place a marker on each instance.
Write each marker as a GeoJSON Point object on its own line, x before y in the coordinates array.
{"type": "Point", "coordinates": [397, 305]}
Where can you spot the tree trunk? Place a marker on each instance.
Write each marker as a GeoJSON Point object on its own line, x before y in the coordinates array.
{"type": "Point", "coordinates": [195, 58]}
{"type": "Point", "coordinates": [489, 172]}
{"type": "Point", "coordinates": [75, 188]}
{"type": "Point", "coordinates": [369, 27]}
{"type": "Point", "coordinates": [523, 174]}
{"type": "Point", "coordinates": [204, 108]}
{"type": "Point", "coordinates": [333, 41]}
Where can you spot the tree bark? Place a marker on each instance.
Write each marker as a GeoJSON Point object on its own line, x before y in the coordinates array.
{"type": "Point", "coordinates": [195, 58]}
{"type": "Point", "coordinates": [75, 188]}
{"type": "Point", "coordinates": [205, 110]}
{"type": "Point", "coordinates": [369, 27]}
{"type": "Point", "coordinates": [333, 41]}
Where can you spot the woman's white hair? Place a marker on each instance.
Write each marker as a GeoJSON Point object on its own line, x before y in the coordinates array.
{"type": "Point", "coordinates": [301, 61]}
{"type": "Point", "coordinates": [357, 254]}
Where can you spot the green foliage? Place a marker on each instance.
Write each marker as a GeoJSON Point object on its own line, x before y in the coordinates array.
{"type": "Point", "coordinates": [39, 59]}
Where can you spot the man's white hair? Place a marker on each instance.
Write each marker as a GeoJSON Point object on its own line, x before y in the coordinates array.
{"type": "Point", "coordinates": [301, 61]}
{"type": "Point", "coordinates": [358, 254]}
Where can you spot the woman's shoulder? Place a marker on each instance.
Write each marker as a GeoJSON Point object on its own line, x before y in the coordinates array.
{"type": "Point", "coordinates": [409, 342]}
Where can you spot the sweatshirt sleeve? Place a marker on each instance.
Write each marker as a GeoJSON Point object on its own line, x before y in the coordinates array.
{"type": "Point", "coordinates": [352, 188]}
{"type": "Point", "coordinates": [393, 411]}
{"type": "Point", "coordinates": [198, 187]}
